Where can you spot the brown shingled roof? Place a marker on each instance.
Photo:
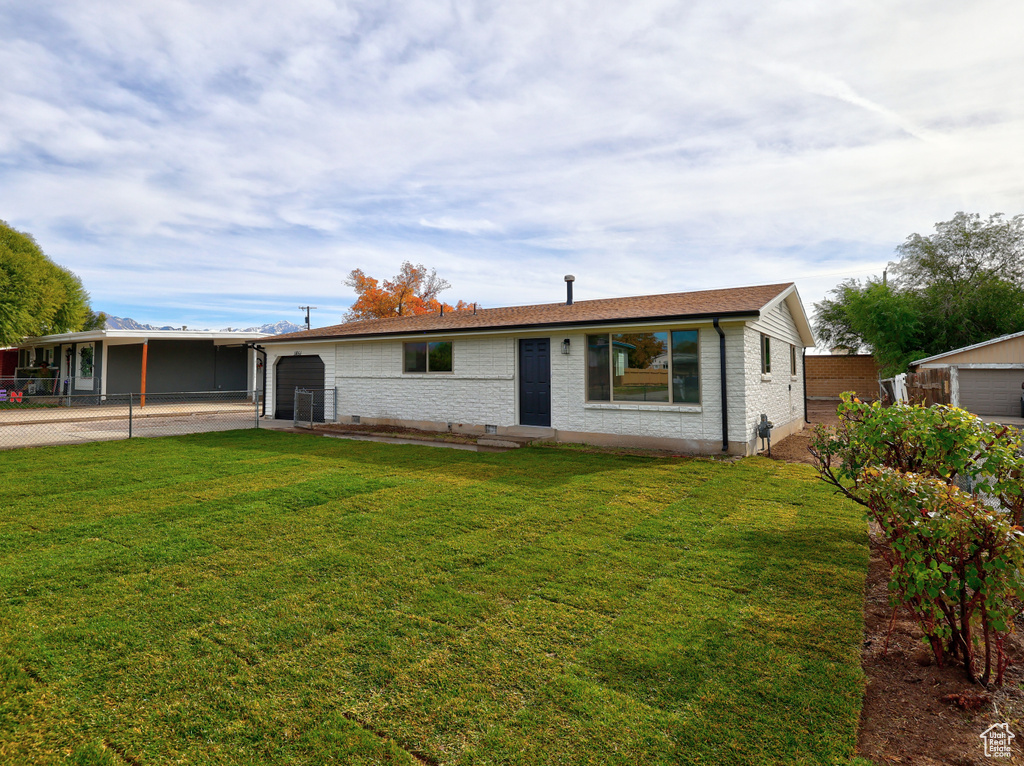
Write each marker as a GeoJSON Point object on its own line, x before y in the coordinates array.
{"type": "Point", "coordinates": [703, 303]}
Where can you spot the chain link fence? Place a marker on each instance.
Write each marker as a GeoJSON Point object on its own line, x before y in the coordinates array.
{"type": "Point", "coordinates": [313, 406]}
{"type": "Point", "coordinates": [46, 417]}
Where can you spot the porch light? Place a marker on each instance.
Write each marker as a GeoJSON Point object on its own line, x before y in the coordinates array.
{"type": "Point", "coordinates": [565, 347]}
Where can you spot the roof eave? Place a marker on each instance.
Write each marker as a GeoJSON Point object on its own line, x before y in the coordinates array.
{"type": "Point", "coordinates": [704, 316]}
{"type": "Point", "coordinates": [85, 336]}
{"type": "Point", "coordinates": [791, 296]}
{"type": "Point", "coordinates": [972, 347]}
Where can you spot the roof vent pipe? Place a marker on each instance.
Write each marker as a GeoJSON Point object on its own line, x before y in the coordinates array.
{"type": "Point", "coordinates": [569, 279]}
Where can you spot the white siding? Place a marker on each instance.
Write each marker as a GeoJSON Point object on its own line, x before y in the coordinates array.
{"type": "Point", "coordinates": [779, 395]}
{"type": "Point", "coordinates": [777, 322]}
{"type": "Point", "coordinates": [482, 389]}
{"type": "Point", "coordinates": [275, 352]}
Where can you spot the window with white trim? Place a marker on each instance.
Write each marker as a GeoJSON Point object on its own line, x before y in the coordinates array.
{"type": "Point", "coordinates": [766, 355]}
{"type": "Point", "coordinates": [654, 367]}
{"type": "Point", "coordinates": [423, 356]}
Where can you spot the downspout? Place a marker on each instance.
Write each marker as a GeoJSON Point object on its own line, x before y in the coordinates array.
{"type": "Point", "coordinates": [803, 369]}
{"type": "Point", "coordinates": [725, 401]}
{"type": "Point", "coordinates": [260, 350]}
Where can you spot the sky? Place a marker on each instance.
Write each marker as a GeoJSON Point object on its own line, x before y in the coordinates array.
{"type": "Point", "coordinates": [221, 164]}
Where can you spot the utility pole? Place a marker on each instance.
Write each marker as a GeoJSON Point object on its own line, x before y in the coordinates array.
{"type": "Point", "coordinates": [307, 309]}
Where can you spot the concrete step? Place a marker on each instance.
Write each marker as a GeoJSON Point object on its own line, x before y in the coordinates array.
{"type": "Point", "coordinates": [528, 433]}
{"type": "Point", "coordinates": [497, 441]}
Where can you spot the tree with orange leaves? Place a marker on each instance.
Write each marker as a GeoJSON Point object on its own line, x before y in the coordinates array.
{"type": "Point", "coordinates": [412, 291]}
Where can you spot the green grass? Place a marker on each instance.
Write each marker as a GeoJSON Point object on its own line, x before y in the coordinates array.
{"type": "Point", "coordinates": [260, 597]}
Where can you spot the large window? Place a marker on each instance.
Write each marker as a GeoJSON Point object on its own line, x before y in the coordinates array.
{"type": "Point", "coordinates": [428, 357]}
{"type": "Point", "coordinates": [644, 367]}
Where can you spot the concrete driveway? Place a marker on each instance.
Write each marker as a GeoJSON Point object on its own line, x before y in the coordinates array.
{"type": "Point", "coordinates": [32, 427]}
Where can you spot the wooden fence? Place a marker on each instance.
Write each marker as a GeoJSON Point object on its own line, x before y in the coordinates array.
{"type": "Point", "coordinates": [649, 377]}
{"type": "Point", "coordinates": [929, 386]}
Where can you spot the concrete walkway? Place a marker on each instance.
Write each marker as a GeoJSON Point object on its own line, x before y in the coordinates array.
{"type": "Point", "coordinates": [418, 442]}
{"type": "Point", "coordinates": [287, 425]}
{"type": "Point", "coordinates": [1004, 420]}
{"type": "Point", "coordinates": [57, 414]}
{"type": "Point", "coordinates": [38, 427]}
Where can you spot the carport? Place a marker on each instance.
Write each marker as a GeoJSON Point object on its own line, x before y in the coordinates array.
{"type": "Point", "coordinates": [104, 363]}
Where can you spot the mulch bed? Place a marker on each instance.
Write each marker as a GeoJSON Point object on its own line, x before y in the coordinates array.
{"type": "Point", "coordinates": [915, 712]}
{"type": "Point", "coordinates": [398, 432]}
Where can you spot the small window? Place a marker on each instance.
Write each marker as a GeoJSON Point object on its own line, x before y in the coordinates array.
{"type": "Point", "coordinates": [766, 355]}
{"type": "Point", "coordinates": [792, 361]}
{"type": "Point", "coordinates": [415, 357]}
{"type": "Point", "coordinates": [685, 367]}
{"type": "Point", "coordinates": [599, 385]}
{"type": "Point", "coordinates": [435, 356]}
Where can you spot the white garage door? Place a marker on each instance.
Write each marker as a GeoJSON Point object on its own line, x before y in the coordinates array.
{"type": "Point", "coordinates": [991, 392]}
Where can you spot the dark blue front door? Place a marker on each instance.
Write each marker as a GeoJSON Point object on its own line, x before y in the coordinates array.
{"type": "Point", "coordinates": [534, 382]}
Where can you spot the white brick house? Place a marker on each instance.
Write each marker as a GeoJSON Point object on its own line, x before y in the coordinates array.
{"type": "Point", "coordinates": [643, 371]}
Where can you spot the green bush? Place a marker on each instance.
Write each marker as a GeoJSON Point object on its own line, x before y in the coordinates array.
{"type": "Point", "coordinates": [956, 559]}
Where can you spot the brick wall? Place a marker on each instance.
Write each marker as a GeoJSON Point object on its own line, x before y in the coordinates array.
{"type": "Point", "coordinates": [829, 376]}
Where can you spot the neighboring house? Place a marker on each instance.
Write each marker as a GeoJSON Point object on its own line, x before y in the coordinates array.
{"type": "Point", "coordinates": [109, 362]}
{"type": "Point", "coordinates": [643, 371]}
{"type": "Point", "coordinates": [985, 378]}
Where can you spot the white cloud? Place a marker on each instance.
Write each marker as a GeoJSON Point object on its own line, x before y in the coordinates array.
{"type": "Point", "coordinates": [187, 149]}
{"type": "Point", "coordinates": [466, 226]}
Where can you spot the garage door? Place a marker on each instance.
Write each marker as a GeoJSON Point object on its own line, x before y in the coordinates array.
{"type": "Point", "coordinates": [295, 372]}
{"type": "Point", "coordinates": [991, 392]}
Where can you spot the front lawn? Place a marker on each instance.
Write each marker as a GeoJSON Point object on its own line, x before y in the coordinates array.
{"type": "Point", "coordinates": [270, 598]}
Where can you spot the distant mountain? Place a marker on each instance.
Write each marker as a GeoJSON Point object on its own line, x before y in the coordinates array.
{"type": "Point", "coordinates": [127, 323]}
{"type": "Point", "coordinates": [280, 328]}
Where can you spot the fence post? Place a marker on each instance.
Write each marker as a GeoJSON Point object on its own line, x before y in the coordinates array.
{"type": "Point", "coordinates": [257, 408]}
{"type": "Point", "coordinates": [130, 397]}
{"type": "Point", "coordinates": [312, 406]}
{"type": "Point", "coordinates": [295, 409]}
